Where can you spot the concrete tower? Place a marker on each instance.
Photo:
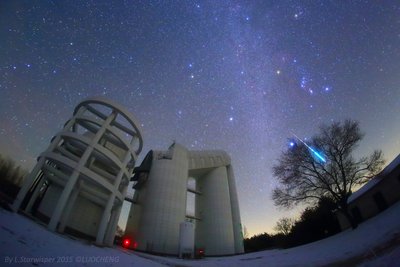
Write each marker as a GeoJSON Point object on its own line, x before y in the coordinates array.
{"type": "Point", "coordinates": [159, 202]}
{"type": "Point", "coordinates": [79, 183]}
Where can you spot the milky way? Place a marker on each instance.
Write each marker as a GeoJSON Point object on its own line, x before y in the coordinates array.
{"type": "Point", "coordinates": [237, 76]}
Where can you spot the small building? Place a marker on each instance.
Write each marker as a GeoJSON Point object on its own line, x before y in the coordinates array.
{"type": "Point", "coordinates": [375, 196]}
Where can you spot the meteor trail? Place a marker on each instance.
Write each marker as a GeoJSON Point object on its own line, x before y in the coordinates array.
{"type": "Point", "coordinates": [311, 149]}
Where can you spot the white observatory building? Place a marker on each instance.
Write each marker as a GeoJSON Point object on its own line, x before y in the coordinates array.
{"type": "Point", "coordinates": [158, 221]}
{"type": "Point", "coordinates": [79, 183]}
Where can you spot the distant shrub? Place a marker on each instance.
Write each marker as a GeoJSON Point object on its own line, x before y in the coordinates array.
{"type": "Point", "coordinates": [11, 178]}
{"type": "Point", "coordinates": [315, 223]}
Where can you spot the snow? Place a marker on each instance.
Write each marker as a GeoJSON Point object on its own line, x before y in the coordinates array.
{"type": "Point", "coordinates": [23, 242]}
{"type": "Point", "coordinates": [375, 242]}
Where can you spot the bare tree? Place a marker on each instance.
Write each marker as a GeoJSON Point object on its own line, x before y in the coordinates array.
{"type": "Point", "coordinates": [245, 232]}
{"type": "Point", "coordinates": [325, 167]}
{"type": "Point", "coordinates": [10, 172]}
{"type": "Point", "coordinates": [284, 225]}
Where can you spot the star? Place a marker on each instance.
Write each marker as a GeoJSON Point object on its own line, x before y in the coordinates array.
{"type": "Point", "coordinates": [196, 70]}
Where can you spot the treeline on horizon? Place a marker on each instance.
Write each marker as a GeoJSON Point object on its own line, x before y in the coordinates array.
{"type": "Point", "coordinates": [11, 178]}
{"type": "Point", "coordinates": [315, 223]}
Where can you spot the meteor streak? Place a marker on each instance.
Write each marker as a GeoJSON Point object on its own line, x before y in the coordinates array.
{"type": "Point", "coordinates": [311, 149]}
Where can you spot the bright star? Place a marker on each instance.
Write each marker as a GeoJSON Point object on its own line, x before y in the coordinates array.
{"type": "Point", "coordinates": [303, 82]}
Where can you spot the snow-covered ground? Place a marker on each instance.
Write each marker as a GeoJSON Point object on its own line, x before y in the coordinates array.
{"type": "Point", "coordinates": [374, 243]}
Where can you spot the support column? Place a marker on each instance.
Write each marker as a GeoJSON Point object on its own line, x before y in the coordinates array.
{"type": "Point", "coordinates": [59, 209]}
{"type": "Point", "coordinates": [237, 226]}
{"type": "Point", "coordinates": [112, 227]}
{"type": "Point", "coordinates": [105, 219]}
{"type": "Point", "coordinates": [68, 208]}
{"type": "Point", "coordinates": [31, 177]}
{"type": "Point", "coordinates": [35, 194]}
{"type": "Point", "coordinates": [214, 232]}
{"type": "Point", "coordinates": [27, 185]}
{"type": "Point", "coordinates": [109, 233]}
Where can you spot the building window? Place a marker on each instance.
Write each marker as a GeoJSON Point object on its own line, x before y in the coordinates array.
{"type": "Point", "coordinates": [356, 214]}
{"type": "Point", "coordinates": [380, 201]}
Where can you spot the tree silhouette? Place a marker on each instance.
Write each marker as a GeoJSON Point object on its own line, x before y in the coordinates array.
{"type": "Point", "coordinates": [245, 232]}
{"type": "Point", "coordinates": [305, 178]}
{"type": "Point", "coordinates": [284, 225]}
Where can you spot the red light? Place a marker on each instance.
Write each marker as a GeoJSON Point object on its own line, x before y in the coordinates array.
{"type": "Point", "coordinates": [200, 252]}
{"type": "Point", "coordinates": [126, 242]}
{"type": "Point", "coordinates": [134, 245]}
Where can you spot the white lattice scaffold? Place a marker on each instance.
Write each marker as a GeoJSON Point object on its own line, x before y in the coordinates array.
{"type": "Point", "coordinates": [79, 183]}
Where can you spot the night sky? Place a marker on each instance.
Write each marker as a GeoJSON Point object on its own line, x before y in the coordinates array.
{"type": "Point", "coordinates": [237, 76]}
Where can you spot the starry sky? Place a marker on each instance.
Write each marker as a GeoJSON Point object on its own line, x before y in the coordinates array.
{"type": "Point", "coordinates": [234, 75]}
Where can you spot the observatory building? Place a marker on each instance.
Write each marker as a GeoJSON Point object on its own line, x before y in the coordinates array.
{"type": "Point", "coordinates": [158, 221]}
{"type": "Point", "coordinates": [79, 183]}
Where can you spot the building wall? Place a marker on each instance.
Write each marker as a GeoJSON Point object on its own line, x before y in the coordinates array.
{"type": "Point", "coordinates": [237, 225]}
{"type": "Point", "coordinates": [214, 231]}
{"type": "Point", "coordinates": [86, 216]}
{"type": "Point", "coordinates": [161, 203]}
{"type": "Point", "coordinates": [49, 201]}
{"type": "Point", "coordinates": [366, 204]}
{"type": "Point", "coordinates": [164, 204]}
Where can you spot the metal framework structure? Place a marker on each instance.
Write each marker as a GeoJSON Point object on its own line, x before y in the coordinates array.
{"type": "Point", "coordinates": [80, 182]}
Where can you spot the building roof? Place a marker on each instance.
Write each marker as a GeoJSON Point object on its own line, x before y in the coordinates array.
{"type": "Point", "coordinates": [371, 183]}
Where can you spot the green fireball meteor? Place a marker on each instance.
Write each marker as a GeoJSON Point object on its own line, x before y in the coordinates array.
{"type": "Point", "coordinates": [311, 149]}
